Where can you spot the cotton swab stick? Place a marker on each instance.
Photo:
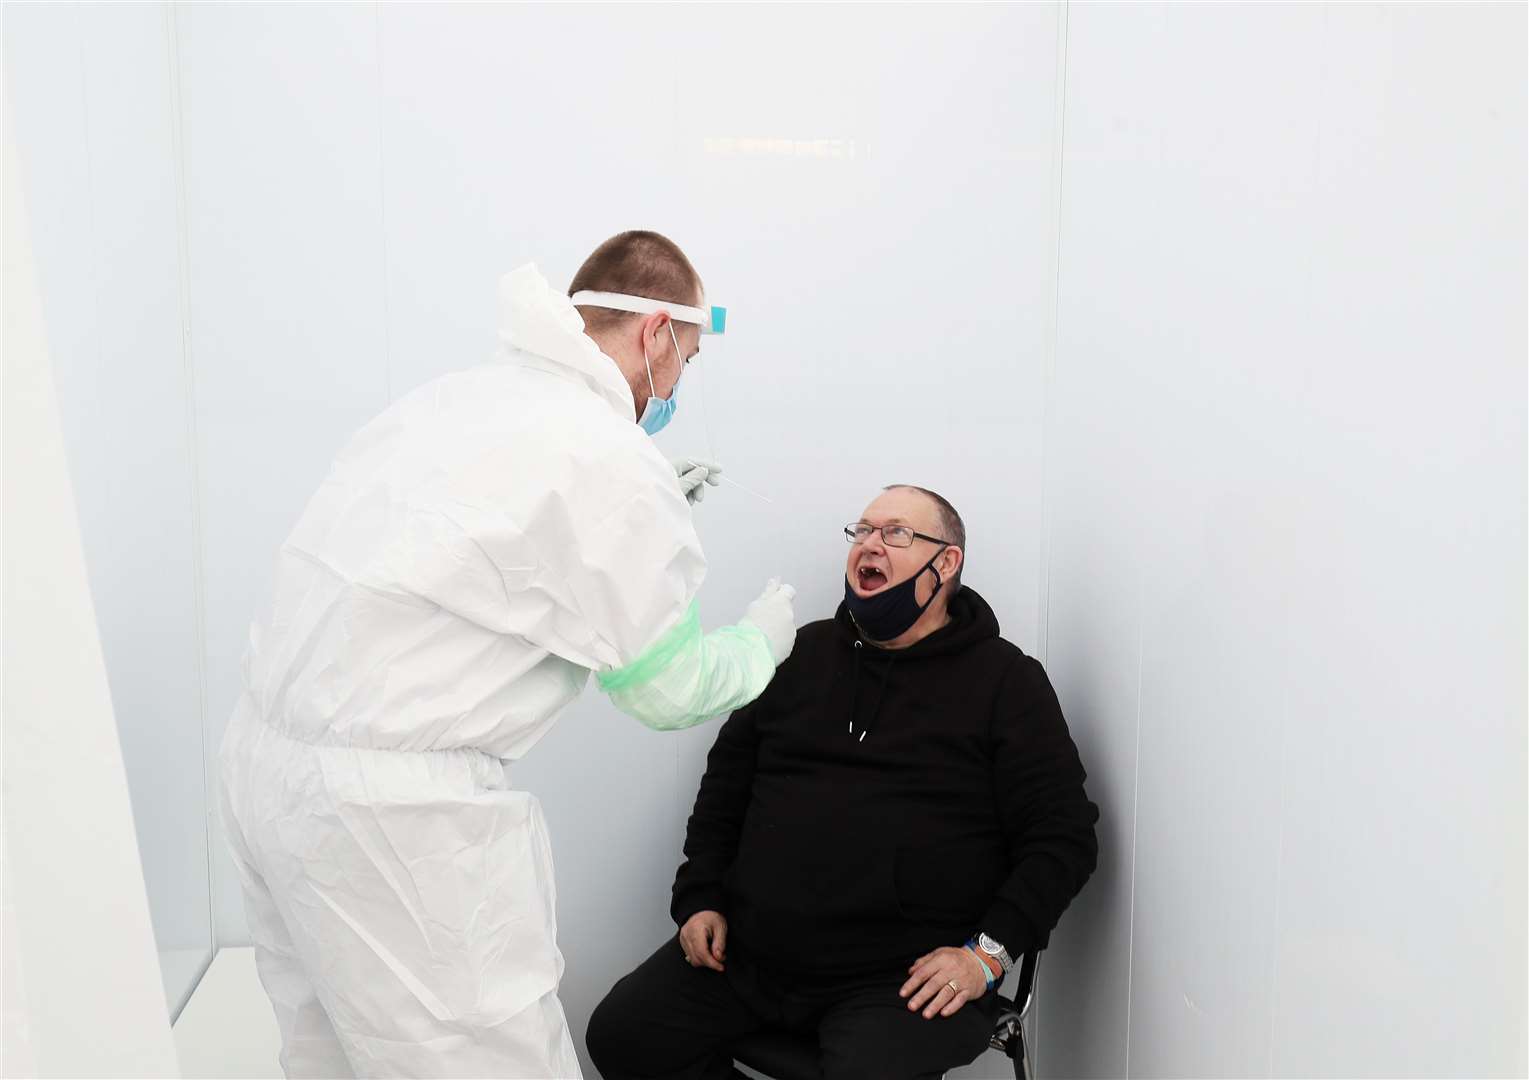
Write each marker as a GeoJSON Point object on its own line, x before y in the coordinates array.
{"type": "Point", "coordinates": [751, 491]}
{"type": "Point", "coordinates": [740, 487]}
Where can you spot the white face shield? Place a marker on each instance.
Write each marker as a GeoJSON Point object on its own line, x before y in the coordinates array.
{"type": "Point", "coordinates": [711, 320]}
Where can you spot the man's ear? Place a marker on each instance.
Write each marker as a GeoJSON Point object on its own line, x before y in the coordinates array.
{"type": "Point", "coordinates": [653, 332]}
{"type": "Point", "coordinates": [950, 561]}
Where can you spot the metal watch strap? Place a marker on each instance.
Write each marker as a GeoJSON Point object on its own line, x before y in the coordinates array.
{"type": "Point", "coordinates": [996, 951]}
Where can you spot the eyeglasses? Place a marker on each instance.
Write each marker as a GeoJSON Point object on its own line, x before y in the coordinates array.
{"type": "Point", "coordinates": [898, 536]}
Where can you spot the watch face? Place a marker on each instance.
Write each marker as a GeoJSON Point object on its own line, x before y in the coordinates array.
{"type": "Point", "coordinates": [989, 946]}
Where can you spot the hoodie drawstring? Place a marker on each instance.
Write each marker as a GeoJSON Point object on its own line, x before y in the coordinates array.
{"type": "Point", "coordinates": [881, 695]}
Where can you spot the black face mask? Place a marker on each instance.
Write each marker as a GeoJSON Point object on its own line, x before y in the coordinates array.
{"type": "Point", "coordinates": [889, 613]}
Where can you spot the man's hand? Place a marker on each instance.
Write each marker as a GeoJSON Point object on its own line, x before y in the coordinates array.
{"type": "Point", "coordinates": [943, 981]}
{"type": "Point", "coordinates": [704, 940]}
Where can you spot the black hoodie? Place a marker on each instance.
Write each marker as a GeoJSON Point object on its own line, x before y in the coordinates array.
{"type": "Point", "coordinates": [874, 804]}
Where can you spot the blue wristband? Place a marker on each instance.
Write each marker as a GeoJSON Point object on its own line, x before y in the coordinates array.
{"type": "Point", "coordinates": [987, 972]}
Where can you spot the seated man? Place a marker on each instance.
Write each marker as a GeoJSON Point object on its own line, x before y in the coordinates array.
{"type": "Point", "coordinates": [891, 825]}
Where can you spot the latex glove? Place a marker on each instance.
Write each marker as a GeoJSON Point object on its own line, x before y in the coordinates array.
{"type": "Point", "coordinates": [695, 474]}
{"type": "Point", "coordinates": [772, 613]}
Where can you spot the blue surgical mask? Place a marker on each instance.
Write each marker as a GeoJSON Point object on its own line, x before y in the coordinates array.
{"type": "Point", "coordinates": [659, 411]}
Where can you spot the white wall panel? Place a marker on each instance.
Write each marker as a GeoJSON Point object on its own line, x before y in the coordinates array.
{"type": "Point", "coordinates": [1290, 463]}
{"type": "Point", "coordinates": [284, 234]}
{"type": "Point", "coordinates": [1423, 583]}
{"type": "Point", "coordinates": [81, 979]}
{"type": "Point", "coordinates": [90, 90]}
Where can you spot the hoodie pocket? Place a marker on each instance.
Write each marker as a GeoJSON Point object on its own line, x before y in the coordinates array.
{"type": "Point", "coordinates": [947, 884]}
{"type": "Point", "coordinates": [799, 876]}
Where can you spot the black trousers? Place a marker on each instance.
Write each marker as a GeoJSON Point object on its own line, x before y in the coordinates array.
{"type": "Point", "coordinates": [670, 1021]}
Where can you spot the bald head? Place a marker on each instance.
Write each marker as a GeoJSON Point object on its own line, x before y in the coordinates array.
{"type": "Point", "coordinates": [952, 528]}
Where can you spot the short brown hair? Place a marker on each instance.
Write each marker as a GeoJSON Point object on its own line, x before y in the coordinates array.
{"type": "Point", "coordinates": [950, 524]}
{"type": "Point", "coordinates": [637, 263]}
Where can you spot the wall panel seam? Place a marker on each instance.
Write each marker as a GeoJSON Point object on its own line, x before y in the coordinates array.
{"type": "Point", "coordinates": [1048, 382]}
{"type": "Point", "coordinates": [193, 442]}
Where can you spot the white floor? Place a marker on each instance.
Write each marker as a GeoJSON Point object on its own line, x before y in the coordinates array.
{"type": "Point", "coordinates": [227, 1028]}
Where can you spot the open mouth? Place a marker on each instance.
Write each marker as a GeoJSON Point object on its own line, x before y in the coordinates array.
{"type": "Point", "coordinates": [871, 579]}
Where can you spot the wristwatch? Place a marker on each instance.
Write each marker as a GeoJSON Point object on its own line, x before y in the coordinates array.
{"type": "Point", "coordinates": [996, 951]}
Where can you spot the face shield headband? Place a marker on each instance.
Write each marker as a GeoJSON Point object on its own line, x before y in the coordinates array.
{"type": "Point", "coordinates": [711, 320]}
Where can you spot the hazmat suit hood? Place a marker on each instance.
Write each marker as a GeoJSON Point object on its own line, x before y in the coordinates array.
{"type": "Point", "coordinates": [540, 328]}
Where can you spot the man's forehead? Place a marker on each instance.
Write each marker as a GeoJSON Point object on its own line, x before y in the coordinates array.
{"type": "Point", "coordinates": [900, 507]}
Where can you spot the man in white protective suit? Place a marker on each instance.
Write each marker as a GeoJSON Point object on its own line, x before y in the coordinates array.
{"type": "Point", "coordinates": [474, 553]}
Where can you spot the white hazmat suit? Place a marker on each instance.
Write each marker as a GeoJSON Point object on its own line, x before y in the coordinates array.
{"type": "Point", "coordinates": [474, 553]}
